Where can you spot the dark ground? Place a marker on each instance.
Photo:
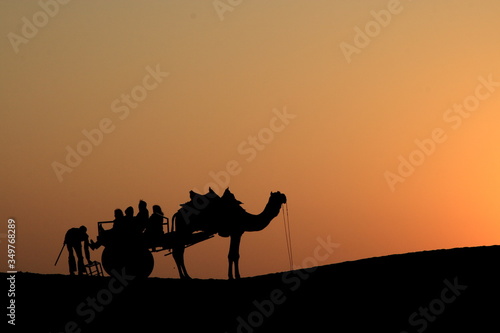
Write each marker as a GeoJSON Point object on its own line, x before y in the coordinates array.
{"type": "Point", "coordinates": [453, 290]}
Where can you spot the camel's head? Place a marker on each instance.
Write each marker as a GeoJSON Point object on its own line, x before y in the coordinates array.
{"type": "Point", "coordinates": [279, 197]}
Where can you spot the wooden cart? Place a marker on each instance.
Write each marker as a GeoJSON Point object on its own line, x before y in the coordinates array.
{"type": "Point", "coordinates": [134, 251]}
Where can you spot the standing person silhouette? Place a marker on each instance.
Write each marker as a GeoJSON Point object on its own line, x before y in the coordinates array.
{"type": "Point", "coordinates": [73, 240]}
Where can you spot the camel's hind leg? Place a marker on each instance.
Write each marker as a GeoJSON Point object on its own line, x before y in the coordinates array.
{"type": "Point", "coordinates": [178, 254]}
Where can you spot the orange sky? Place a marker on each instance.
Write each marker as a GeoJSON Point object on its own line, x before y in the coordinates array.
{"type": "Point", "coordinates": [178, 90]}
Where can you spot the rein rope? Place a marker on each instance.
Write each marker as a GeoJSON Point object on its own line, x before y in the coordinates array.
{"type": "Point", "coordinates": [286, 222]}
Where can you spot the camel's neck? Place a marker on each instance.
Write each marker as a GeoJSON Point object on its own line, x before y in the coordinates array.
{"type": "Point", "coordinates": [262, 220]}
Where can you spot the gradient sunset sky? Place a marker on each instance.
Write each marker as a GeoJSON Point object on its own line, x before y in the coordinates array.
{"type": "Point", "coordinates": [378, 119]}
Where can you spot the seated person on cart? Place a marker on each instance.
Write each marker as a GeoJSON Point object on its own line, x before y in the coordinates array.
{"type": "Point", "coordinates": [154, 228]}
{"type": "Point", "coordinates": [107, 236]}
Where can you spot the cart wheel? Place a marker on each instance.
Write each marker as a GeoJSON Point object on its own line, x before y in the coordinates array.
{"type": "Point", "coordinates": [138, 262]}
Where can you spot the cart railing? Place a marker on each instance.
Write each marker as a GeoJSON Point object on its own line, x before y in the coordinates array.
{"type": "Point", "coordinates": [167, 224]}
{"type": "Point", "coordinates": [169, 237]}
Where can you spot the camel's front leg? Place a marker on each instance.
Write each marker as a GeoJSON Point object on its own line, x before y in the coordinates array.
{"type": "Point", "coordinates": [234, 256]}
{"type": "Point", "coordinates": [237, 268]}
{"type": "Point", "coordinates": [230, 269]}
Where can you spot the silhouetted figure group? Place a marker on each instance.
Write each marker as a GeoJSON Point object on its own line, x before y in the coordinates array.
{"type": "Point", "coordinates": [126, 228]}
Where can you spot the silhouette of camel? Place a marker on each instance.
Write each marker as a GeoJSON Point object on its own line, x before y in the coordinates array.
{"type": "Point", "coordinates": [222, 215]}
